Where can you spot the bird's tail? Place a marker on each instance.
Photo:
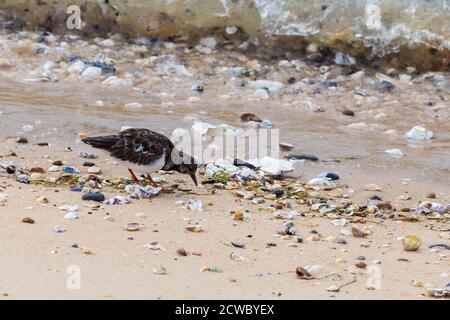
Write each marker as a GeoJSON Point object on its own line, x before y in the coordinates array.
{"type": "Point", "coordinates": [102, 142]}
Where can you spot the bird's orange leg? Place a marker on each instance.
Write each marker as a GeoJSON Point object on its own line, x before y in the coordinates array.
{"type": "Point", "coordinates": [135, 179]}
{"type": "Point", "coordinates": [154, 184]}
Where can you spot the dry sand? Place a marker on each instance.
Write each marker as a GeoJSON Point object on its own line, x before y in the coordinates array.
{"type": "Point", "coordinates": [35, 260]}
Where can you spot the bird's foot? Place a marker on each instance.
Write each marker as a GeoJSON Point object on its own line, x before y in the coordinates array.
{"type": "Point", "coordinates": [154, 184]}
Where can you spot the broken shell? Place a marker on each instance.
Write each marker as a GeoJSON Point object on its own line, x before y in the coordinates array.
{"type": "Point", "coordinates": [333, 288]}
{"type": "Point", "coordinates": [358, 233]}
{"type": "Point", "coordinates": [284, 146]}
{"type": "Point", "coordinates": [28, 220]}
{"type": "Point", "coordinates": [196, 228]}
{"type": "Point", "coordinates": [42, 199]}
{"type": "Point", "coordinates": [235, 256]}
{"type": "Point", "coordinates": [315, 271]}
{"type": "Point", "coordinates": [182, 252]}
{"type": "Point", "coordinates": [153, 246]}
{"type": "Point", "coordinates": [87, 251]}
{"type": "Point", "coordinates": [411, 242]}
{"type": "Point", "coordinates": [246, 117]}
{"type": "Point", "coordinates": [160, 270]}
{"type": "Point", "coordinates": [303, 274]}
{"type": "Point", "coordinates": [22, 140]}
{"type": "Point", "coordinates": [94, 170]}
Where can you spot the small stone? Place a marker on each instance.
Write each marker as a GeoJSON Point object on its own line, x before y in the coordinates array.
{"type": "Point", "coordinates": [358, 233]}
{"type": "Point", "coordinates": [54, 169]}
{"type": "Point", "coordinates": [91, 73]}
{"type": "Point", "coordinates": [431, 195]}
{"type": "Point", "coordinates": [28, 220]}
{"type": "Point", "coordinates": [94, 170]}
{"type": "Point", "coordinates": [10, 169]}
{"type": "Point", "coordinates": [22, 140]}
{"type": "Point", "coordinates": [361, 265]}
{"type": "Point", "coordinates": [57, 163]}
{"type": "Point", "coordinates": [76, 67]}
{"type": "Point", "coordinates": [247, 117]}
{"type": "Point", "coordinates": [358, 125]}
{"type": "Point", "coordinates": [88, 164]}
{"type": "Point", "coordinates": [348, 112]}
{"type": "Point", "coordinates": [196, 228]}
{"type": "Point", "coordinates": [333, 288]}
{"type": "Point", "coordinates": [372, 187]}
{"type": "Point", "coordinates": [133, 226]}
{"type": "Point", "coordinates": [385, 86]}
{"type": "Point", "coordinates": [99, 197]}
{"type": "Point", "coordinates": [87, 251]}
{"type": "Point", "coordinates": [27, 128]}
{"type": "Point", "coordinates": [42, 199]}
{"type": "Point", "coordinates": [181, 252]}
{"type": "Point", "coordinates": [36, 170]}
{"type": "Point", "coordinates": [71, 215]}
{"type": "Point", "coordinates": [284, 146]}
{"type": "Point", "coordinates": [133, 106]}
{"type": "Point", "coordinates": [262, 93]}
{"type": "Point", "coordinates": [23, 178]}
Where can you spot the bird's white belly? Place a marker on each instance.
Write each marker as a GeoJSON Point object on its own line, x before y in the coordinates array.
{"type": "Point", "coordinates": [150, 168]}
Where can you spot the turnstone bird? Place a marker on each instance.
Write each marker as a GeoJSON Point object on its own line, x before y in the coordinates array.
{"type": "Point", "coordinates": [145, 151]}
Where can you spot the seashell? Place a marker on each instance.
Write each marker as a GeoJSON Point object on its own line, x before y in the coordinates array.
{"type": "Point", "coordinates": [284, 146]}
{"type": "Point", "coordinates": [411, 242]}
{"type": "Point", "coordinates": [246, 117]}
{"type": "Point", "coordinates": [133, 226]}
{"type": "Point", "coordinates": [85, 250]}
{"type": "Point", "coordinates": [333, 288]}
{"type": "Point", "coordinates": [42, 199]}
{"type": "Point", "coordinates": [71, 215]}
{"type": "Point", "coordinates": [358, 233]}
{"type": "Point", "coordinates": [28, 220]}
{"type": "Point", "coordinates": [160, 270]}
{"type": "Point", "coordinates": [303, 274]}
{"type": "Point", "coordinates": [315, 271]}
{"type": "Point", "coordinates": [197, 228]}
{"type": "Point", "coordinates": [94, 170]}
{"type": "Point", "coordinates": [236, 256]}
{"type": "Point", "coordinates": [182, 252]}
{"type": "Point", "coordinates": [153, 246]}
{"type": "Point", "coordinates": [99, 197]}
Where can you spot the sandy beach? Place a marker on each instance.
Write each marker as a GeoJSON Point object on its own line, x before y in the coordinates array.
{"type": "Point", "coordinates": [36, 260]}
{"type": "Point", "coordinates": [380, 135]}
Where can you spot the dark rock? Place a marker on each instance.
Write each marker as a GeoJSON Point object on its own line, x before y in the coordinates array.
{"type": "Point", "coordinates": [99, 197]}
{"type": "Point", "coordinates": [88, 164]}
{"type": "Point", "coordinates": [22, 140]}
{"type": "Point", "coordinates": [348, 112]}
{"type": "Point", "coordinates": [11, 169]}
{"type": "Point", "coordinates": [385, 86]}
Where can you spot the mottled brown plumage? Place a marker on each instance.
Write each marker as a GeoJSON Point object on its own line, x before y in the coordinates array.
{"type": "Point", "coordinates": [147, 149]}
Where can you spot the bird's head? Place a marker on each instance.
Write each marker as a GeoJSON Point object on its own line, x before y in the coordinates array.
{"type": "Point", "coordinates": [186, 166]}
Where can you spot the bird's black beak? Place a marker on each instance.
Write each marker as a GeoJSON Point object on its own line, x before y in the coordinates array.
{"type": "Point", "coordinates": [194, 178]}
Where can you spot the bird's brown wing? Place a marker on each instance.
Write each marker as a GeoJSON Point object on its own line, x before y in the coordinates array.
{"type": "Point", "coordinates": [138, 146]}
